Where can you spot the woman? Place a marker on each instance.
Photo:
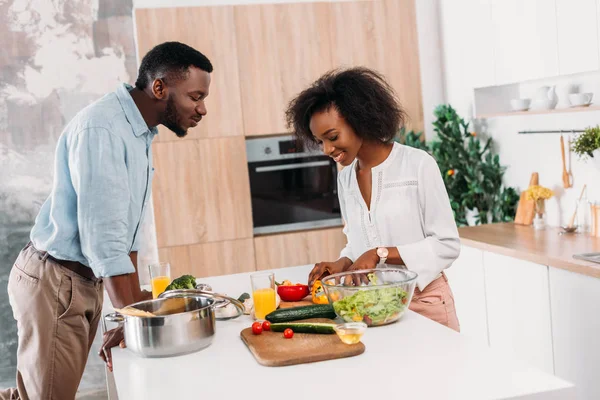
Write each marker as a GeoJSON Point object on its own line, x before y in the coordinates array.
{"type": "Point", "coordinates": [392, 197]}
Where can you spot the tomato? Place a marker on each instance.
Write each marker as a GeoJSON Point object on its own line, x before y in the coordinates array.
{"type": "Point", "coordinates": [288, 333]}
{"type": "Point", "coordinates": [266, 326]}
{"type": "Point", "coordinates": [257, 328]}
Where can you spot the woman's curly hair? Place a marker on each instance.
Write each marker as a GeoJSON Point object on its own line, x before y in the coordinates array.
{"type": "Point", "coordinates": [360, 95]}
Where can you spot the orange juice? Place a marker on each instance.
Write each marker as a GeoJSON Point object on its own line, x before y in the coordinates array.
{"type": "Point", "coordinates": [159, 284]}
{"type": "Point", "coordinates": [264, 302]}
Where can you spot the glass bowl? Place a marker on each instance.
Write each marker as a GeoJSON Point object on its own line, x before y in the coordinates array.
{"type": "Point", "coordinates": [350, 332]}
{"type": "Point", "coordinates": [373, 296]}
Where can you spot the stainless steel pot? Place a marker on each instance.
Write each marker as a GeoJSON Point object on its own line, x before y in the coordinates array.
{"type": "Point", "coordinates": [184, 323]}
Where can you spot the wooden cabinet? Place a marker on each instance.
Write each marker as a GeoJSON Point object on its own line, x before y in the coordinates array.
{"type": "Point", "coordinates": [381, 35]}
{"type": "Point", "coordinates": [518, 309]}
{"type": "Point", "coordinates": [298, 248]}
{"type": "Point", "coordinates": [212, 31]}
{"type": "Point", "coordinates": [201, 191]}
{"type": "Point", "coordinates": [576, 330]}
{"type": "Point", "coordinates": [577, 35]}
{"type": "Point", "coordinates": [210, 259]}
{"type": "Point", "coordinates": [466, 279]}
{"type": "Point", "coordinates": [282, 48]}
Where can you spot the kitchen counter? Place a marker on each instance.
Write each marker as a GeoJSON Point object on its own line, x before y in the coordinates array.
{"type": "Point", "coordinates": [546, 247]}
{"type": "Point", "coordinates": [413, 358]}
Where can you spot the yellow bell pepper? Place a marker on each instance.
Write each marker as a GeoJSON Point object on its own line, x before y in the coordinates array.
{"type": "Point", "coordinates": [318, 294]}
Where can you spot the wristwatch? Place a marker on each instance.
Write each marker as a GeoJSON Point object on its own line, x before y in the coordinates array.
{"type": "Point", "coordinates": [382, 252]}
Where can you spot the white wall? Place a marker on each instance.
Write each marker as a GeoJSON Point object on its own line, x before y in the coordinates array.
{"type": "Point", "coordinates": [473, 58]}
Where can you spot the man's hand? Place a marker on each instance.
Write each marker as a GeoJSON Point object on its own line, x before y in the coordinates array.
{"type": "Point", "coordinates": [111, 338]}
{"type": "Point", "coordinates": [324, 269]}
{"type": "Point", "coordinates": [368, 260]}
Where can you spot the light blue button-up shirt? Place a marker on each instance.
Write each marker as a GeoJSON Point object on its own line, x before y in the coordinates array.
{"type": "Point", "coordinates": [102, 183]}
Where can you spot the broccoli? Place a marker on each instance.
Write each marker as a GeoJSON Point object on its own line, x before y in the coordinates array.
{"type": "Point", "coordinates": [183, 282]}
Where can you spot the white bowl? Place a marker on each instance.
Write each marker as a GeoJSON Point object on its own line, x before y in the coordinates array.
{"type": "Point", "coordinates": [520, 104]}
{"type": "Point", "coordinates": [581, 99]}
{"type": "Point", "coordinates": [543, 104]}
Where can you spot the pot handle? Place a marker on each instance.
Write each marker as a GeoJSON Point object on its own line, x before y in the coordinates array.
{"type": "Point", "coordinates": [112, 317]}
{"type": "Point", "coordinates": [226, 300]}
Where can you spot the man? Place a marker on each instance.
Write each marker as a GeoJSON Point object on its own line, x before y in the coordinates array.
{"type": "Point", "coordinates": [86, 234]}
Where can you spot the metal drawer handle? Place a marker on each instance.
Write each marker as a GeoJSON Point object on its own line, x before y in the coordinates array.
{"type": "Point", "coordinates": [293, 166]}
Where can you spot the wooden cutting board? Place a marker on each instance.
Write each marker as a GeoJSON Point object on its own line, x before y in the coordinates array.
{"type": "Point", "coordinates": [526, 208]}
{"type": "Point", "coordinates": [271, 349]}
{"type": "Point", "coordinates": [307, 301]}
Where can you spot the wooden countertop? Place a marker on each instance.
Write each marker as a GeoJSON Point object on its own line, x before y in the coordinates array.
{"type": "Point", "coordinates": [546, 247]}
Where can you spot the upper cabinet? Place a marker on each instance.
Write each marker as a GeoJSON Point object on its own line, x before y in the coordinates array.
{"type": "Point", "coordinates": [524, 40]}
{"type": "Point", "coordinates": [577, 22]}
{"type": "Point", "coordinates": [381, 35]}
{"type": "Point", "coordinates": [282, 48]}
{"type": "Point", "coordinates": [201, 191]}
{"type": "Point", "coordinates": [211, 30]}
{"type": "Point", "coordinates": [499, 42]}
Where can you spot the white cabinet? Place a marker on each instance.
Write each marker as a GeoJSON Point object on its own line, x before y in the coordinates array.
{"type": "Point", "coordinates": [467, 37]}
{"type": "Point", "coordinates": [479, 69]}
{"type": "Point", "coordinates": [577, 34]}
{"type": "Point", "coordinates": [466, 280]}
{"type": "Point", "coordinates": [576, 330]}
{"type": "Point", "coordinates": [518, 309]}
{"type": "Point", "coordinates": [524, 40]}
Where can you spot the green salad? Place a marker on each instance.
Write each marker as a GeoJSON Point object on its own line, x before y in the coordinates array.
{"type": "Point", "coordinates": [374, 307]}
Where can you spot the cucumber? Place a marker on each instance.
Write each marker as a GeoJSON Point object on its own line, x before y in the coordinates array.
{"type": "Point", "coordinates": [302, 312]}
{"type": "Point", "coordinates": [304, 327]}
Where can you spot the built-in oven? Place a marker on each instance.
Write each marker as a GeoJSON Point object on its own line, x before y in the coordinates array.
{"type": "Point", "coordinates": [292, 188]}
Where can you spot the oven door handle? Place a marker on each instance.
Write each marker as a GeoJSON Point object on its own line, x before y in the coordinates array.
{"type": "Point", "coordinates": [292, 166]}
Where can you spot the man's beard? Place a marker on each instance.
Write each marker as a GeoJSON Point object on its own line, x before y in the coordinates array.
{"type": "Point", "coordinates": [171, 118]}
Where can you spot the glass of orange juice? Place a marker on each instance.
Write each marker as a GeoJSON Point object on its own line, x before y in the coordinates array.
{"type": "Point", "coordinates": [263, 293]}
{"type": "Point", "coordinates": [160, 277]}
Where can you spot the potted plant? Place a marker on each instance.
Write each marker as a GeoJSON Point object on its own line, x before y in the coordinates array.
{"type": "Point", "coordinates": [587, 145]}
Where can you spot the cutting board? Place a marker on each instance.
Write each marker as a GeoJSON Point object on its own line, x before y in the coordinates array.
{"type": "Point", "coordinates": [307, 301]}
{"type": "Point", "coordinates": [526, 208]}
{"type": "Point", "coordinates": [273, 350]}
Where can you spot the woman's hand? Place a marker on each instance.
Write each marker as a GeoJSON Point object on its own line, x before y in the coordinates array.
{"type": "Point", "coordinates": [324, 269]}
{"type": "Point", "coordinates": [368, 260]}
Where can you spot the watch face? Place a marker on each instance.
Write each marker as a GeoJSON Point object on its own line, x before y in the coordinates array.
{"type": "Point", "coordinates": [382, 252]}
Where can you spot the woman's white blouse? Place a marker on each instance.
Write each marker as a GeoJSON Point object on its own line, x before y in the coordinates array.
{"type": "Point", "coordinates": [410, 210]}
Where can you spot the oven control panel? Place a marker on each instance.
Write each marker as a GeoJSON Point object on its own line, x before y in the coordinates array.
{"type": "Point", "coordinates": [277, 148]}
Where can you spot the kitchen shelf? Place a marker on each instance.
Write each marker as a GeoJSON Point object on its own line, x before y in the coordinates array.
{"type": "Point", "coordinates": [538, 112]}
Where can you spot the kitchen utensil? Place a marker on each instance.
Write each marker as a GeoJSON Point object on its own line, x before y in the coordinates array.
{"type": "Point", "coordinates": [572, 220]}
{"type": "Point", "coordinates": [520, 104]}
{"type": "Point", "coordinates": [184, 322]}
{"type": "Point", "coordinates": [292, 292]}
{"type": "Point", "coordinates": [273, 350]}
{"type": "Point", "coordinates": [383, 301]}
{"type": "Point", "coordinates": [567, 229]}
{"type": "Point", "coordinates": [569, 170]}
{"type": "Point", "coordinates": [545, 98]}
{"type": "Point", "coordinates": [526, 208]}
{"type": "Point", "coordinates": [350, 332]}
{"type": "Point", "coordinates": [565, 174]}
{"type": "Point", "coordinates": [581, 99]}
{"type": "Point", "coordinates": [595, 210]}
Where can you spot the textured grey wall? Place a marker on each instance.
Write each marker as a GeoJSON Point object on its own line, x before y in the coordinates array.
{"type": "Point", "coordinates": [56, 57]}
